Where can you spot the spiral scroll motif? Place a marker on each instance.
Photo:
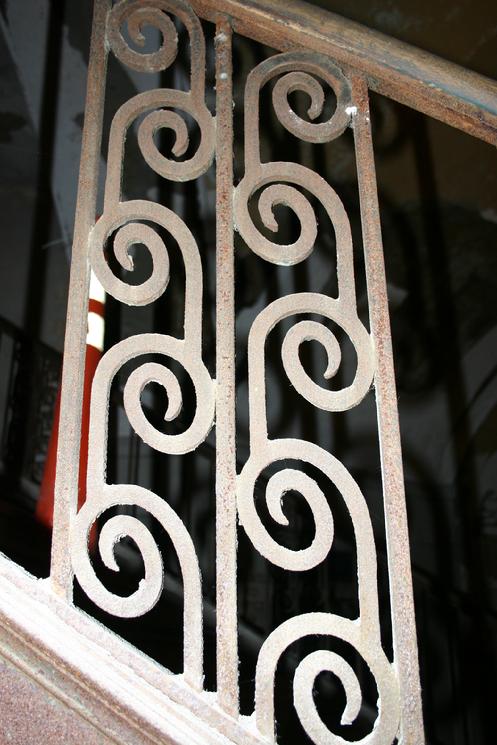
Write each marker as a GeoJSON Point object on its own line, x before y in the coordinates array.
{"type": "Point", "coordinates": [287, 184]}
{"type": "Point", "coordinates": [143, 222]}
{"type": "Point", "coordinates": [279, 180]}
{"type": "Point", "coordinates": [136, 14]}
{"type": "Point", "coordinates": [326, 624]}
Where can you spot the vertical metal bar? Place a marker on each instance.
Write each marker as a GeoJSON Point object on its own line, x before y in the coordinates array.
{"type": "Point", "coordinates": [227, 644]}
{"type": "Point", "coordinates": [399, 568]}
{"type": "Point", "coordinates": [66, 483]}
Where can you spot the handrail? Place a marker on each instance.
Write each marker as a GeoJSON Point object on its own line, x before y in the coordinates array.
{"type": "Point", "coordinates": [441, 89]}
{"type": "Point", "coordinates": [141, 696]}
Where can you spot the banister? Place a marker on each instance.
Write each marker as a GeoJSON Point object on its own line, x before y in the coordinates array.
{"type": "Point", "coordinates": [413, 77]}
{"type": "Point", "coordinates": [107, 679]}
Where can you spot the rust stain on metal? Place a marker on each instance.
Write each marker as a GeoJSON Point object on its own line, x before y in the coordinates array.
{"type": "Point", "coordinates": [226, 593]}
{"type": "Point", "coordinates": [411, 76]}
{"type": "Point", "coordinates": [403, 624]}
{"type": "Point", "coordinates": [282, 183]}
{"type": "Point", "coordinates": [66, 483]}
{"type": "Point", "coordinates": [125, 221]}
{"type": "Point", "coordinates": [316, 43]}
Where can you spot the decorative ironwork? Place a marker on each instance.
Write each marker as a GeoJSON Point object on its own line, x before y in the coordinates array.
{"type": "Point", "coordinates": [118, 28]}
{"type": "Point", "coordinates": [126, 222]}
{"type": "Point", "coordinates": [301, 72]}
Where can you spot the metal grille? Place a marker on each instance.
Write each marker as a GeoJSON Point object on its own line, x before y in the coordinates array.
{"type": "Point", "coordinates": [265, 185]}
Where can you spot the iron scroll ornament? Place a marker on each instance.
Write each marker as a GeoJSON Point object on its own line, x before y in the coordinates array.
{"type": "Point", "coordinates": [281, 183]}
{"type": "Point", "coordinates": [138, 222]}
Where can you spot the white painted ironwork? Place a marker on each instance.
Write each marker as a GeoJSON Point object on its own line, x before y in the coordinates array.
{"type": "Point", "coordinates": [139, 221]}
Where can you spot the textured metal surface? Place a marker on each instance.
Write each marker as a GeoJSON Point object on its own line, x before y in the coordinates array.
{"type": "Point", "coordinates": [400, 71]}
{"type": "Point", "coordinates": [66, 484]}
{"type": "Point", "coordinates": [265, 185]}
{"type": "Point", "coordinates": [124, 220]}
{"type": "Point", "coordinates": [279, 182]}
{"type": "Point", "coordinates": [402, 605]}
{"type": "Point", "coordinates": [227, 656]}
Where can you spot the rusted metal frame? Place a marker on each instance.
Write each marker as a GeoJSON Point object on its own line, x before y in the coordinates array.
{"type": "Point", "coordinates": [226, 594]}
{"type": "Point", "coordinates": [397, 536]}
{"type": "Point", "coordinates": [124, 219]}
{"type": "Point", "coordinates": [66, 483]}
{"type": "Point", "coordinates": [411, 76]}
{"type": "Point", "coordinates": [281, 183]}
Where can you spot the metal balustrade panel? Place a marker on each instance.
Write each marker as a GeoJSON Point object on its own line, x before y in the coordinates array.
{"type": "Point", "coordinates": [123, 223]}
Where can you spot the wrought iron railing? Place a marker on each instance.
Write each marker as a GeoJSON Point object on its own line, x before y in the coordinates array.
{"type": "Point", "coordinates": [321, 56]}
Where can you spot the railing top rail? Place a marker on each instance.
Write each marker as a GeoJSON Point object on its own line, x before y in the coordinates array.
{"type": "Point", "coordinates": [411, 76]}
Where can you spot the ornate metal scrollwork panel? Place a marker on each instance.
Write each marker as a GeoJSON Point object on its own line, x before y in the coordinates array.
{"type": "Point", "coordinates": [123, 224]}
{"type": "Point", "coordinates": [311, 316]}
{"type": "Point", "coordinates": [282, 184]}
